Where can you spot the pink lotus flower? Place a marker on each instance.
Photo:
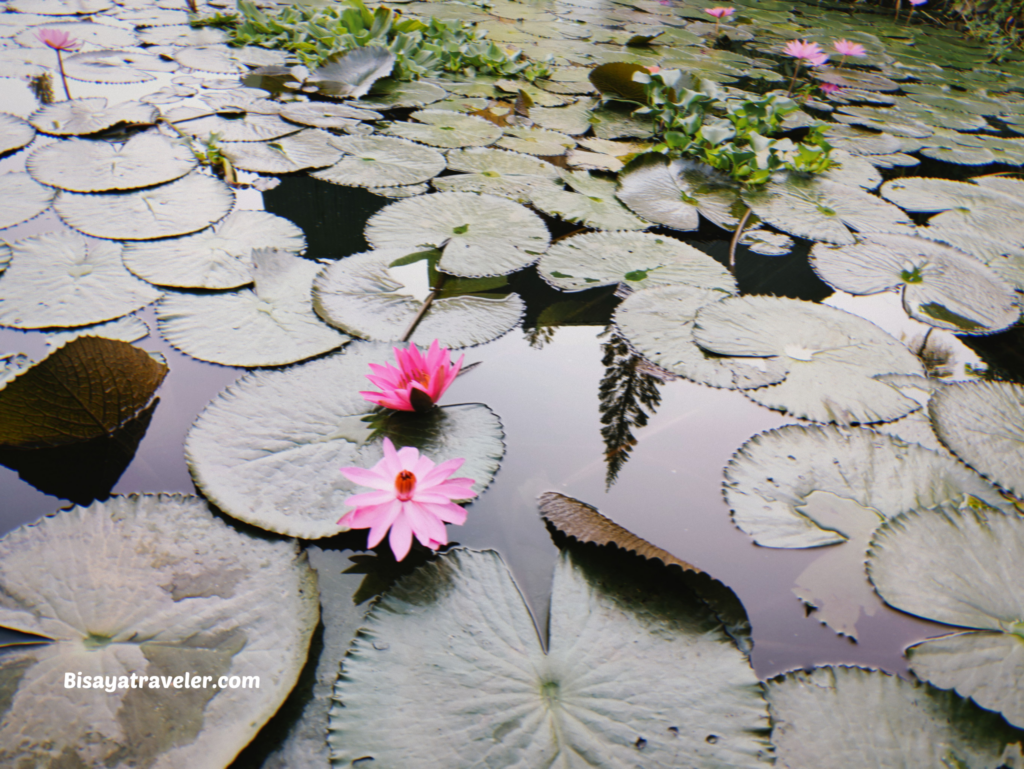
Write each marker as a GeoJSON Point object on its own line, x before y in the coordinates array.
{"type": "Point", "coordinates": [417, 383]}
{"type": "Point", "coordinates": [719, 11]}
{"type": "Point", "coordinates": [653, 70]}
{"type": "Point", "coordinates": [411, 496]}
{"type": "Point", "coordinates": [58, 40]}
{"type": "Point", "coordinates": [828, 88]}
{"type": "Point", "coordinates": [810, 53]}
{"type": "Point", "coordinates": [846, 48]}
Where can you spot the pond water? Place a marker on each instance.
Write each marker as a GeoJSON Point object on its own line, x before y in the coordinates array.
{"type": "Point", "coordinates": [566, 381]}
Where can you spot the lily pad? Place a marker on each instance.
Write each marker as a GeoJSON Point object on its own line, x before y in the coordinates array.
{"type": "Point", "coordinates": [442, 128]}
{"type": "Point", "coordinates": [61, 279]}
{"type": "Point", "coordinates": [635, 259]}
{"type": "Point", "coordinates": [100, 35]}
{"type": "Point", "coordinates": [359, 295]}
{"type": "Point", "coordinates": [959, 567]}
{"type": "Point", "coordinates": [768, 481]}
{"type": "Point", "coordinates": [15, 133]}
{"type": "Point", "coordinates": [673, 192]}
{"type": "Point", "coordinates": [572, 120]}
{"type": "Point", "coordinates": [832, 357]}
{"type": "Point", "coordinates": [535, 141]}
{"type": "Point", "coordinates": [497, 172]}
{"type": "Point", "coordinates": [59, 7]}
{"type": "Point", "coordinates": [479, 235]}
{"type": "Point", "coordinates": [80, 117]}
{"type": "Point", "coordinates": [216, 258]}
{"type": "Point", "coordinates": [434, 645]}
{"type": "Point", "coordinates": [86, 389]}
{"type": "Point", "coordinates": [350, 74]}
{"type": "Point", "coordinates": [658, 323]}
{"type": "Point", "coordinates": [325, 114]}
{"type": "Point", "coordinates": [268, 449]}
{"type": "Point", "coordinates": [231, 127]}
{"type": "Point", "coordinates": [983, 424]}
{"type": "Point", "coordinates": [309, 148]}
{"type": "Point", "coordinates": [766, 243]}
{"type": "Point", "coordinates": [153, 585]}
{"type": "Point", "coordinates": [115, 66]}
{"type": "Point", "coordinates": [380, 161]}
{"type": "Point", "coordinates": [130, 328]}
{"type": "Point", "coordinates": [189, 204]}
{"type": "Point", "coordinates": [23, 198]}
{"type": "Point", "coordinates": [941, 286]}
{"type": "Point", "coordinates": [870, 718]}
{"type": "Point", "coordinates": [271, 324]}
{"type": "Point", "coordinates": [592, 204]}
{"type": "Point", "coordinates": [83, 165]}
{"type": "Point", "coordinates": [394, 94]}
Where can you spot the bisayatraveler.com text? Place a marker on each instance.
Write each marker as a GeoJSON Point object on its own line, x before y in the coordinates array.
{"type": "Point", "coordinates": [135, 681]}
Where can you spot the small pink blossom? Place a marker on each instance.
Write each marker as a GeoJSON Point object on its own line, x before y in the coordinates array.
{"type": "Point", "coordinates": [829, 87]}
{"type": "Point", "coordinates": [58, 40]}
{"type": "Point", "coordinates": [916, 3]}
{"type": "Point", "coordinates": [654, 70]}
{"type": "Point", "coordinates": [430, 375]}
{"type": "Point", "coordinates": [719, 11]}
{"type": "Point", "coordinates": [810, 53]}
{"type": "Point", "coordinates": [411, 497]}
{"type": "Point", "coordinates": [845, 48]}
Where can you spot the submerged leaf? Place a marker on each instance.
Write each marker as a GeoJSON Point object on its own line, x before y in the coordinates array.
{"type": "Point", "coordinates": [88, 388]}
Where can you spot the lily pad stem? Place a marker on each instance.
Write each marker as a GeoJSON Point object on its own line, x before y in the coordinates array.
{"type": "Point", "coordinates": [426, 306]}
{"type": "Point", "coordinates": [736, 239]}
{"type": "Point", "coordinates": [63, 77]}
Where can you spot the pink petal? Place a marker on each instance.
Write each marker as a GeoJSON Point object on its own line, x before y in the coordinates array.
{"type": "Point", "coordinates": [386, 517]}
{"type": "Point", "coordinates": [371, 478]}
{"type": "Point", "coordinates": [371, 498]}
{"type": "Point", "coordinates": [390, 464]}
{"type": "Point", "coordinates": [408, 456]}
{"type": "Point", "coordinates": [363, 517]}
{"type": "Point", "coordinates": [439, 473]}
{"type": "Point", "coordinates": [401, 537]}
{"type": "Point", "coordinates": [424, 524]}
{"type": "Point", "coordinates": [449, 513]}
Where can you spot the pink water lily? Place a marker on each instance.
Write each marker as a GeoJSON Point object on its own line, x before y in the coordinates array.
{"type": "Point", "coordinates": [417, 383]}
{"type": "Point", "coordinates": [411, 497]}
{"type": "Point", "coordinates": [802, 51]}
{"type": "Point", "coordinates": [846, 48]}
{"type": "Point", "coordinates": [58, 40]}
{"type": "Point", "coordinates": [719, 12]}
{"type": "Point", "coordinates": [828, 88]}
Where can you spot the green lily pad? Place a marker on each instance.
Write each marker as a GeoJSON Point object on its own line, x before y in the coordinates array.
{"type": "Point", "coordinates": [479, 235]}
{"type": "Point", "coordinates": [350, 74]}
{"type": "Point", "coordinates": [897, 160]}
{"type": "Point", "coordinates": [59, 7]}
{"type": "Point", "coordinates": [616, 121]}
{"type": "Point", "coordinates": [768, 481]}
{"type": "Point", "coordinates": [243, 126]}
{"type": "Point", "coordinates": [24, 198]}
{"type": "Point", "coordinates": [537, 95]}
{"type": "Point", "coordinates": [442, 128]}
{"type": "Point", "coordinates": [593, 203]}
{"type": "Point", "coordinates": [309, 148]}
{"type": "Point", "coordinates": [380, 161]}
{"type": "Point", "coordinates": [320, 114]}
{"type": "Point", "coordinates": [766, 243]}
{"type": "Point", "coordinates": [572, 120]}
{"type": "Point", "coordinates": [853, 78]}
{"type": "Point", "coordinates": [88, 388]}
{"type": "Point", "coordinates": [636, 259]}
{"type": "Point", "coordinates": [359, 295]}
{"type": "Point", "coordinates": [941, 286]}
{"type": "Point", "coordinates": [100, 35]}
{"type": "Point", "coordinates": [214, 59]}
{"type": "Point", "coordinates": [15, 133]}
{"type": "Point", "coordinates": [497, 172]}
{"type": "Point", "coordinates": [435, 646]}
{"type": "Point", "coordinates": [861, 141]}
{"type": "Point", "coordinates": [982, 423]}
{"type": "Point", "coordinates": [215, 258]}
{"type": "Point", "coordinates": [189, 204]}
{"type": "Point", "coordinates": [268, 449]}
{"type": "Point", "coordinates": [80, 117]}
{"type": "Point", "coordinates": [153, 586]}
{"type": "Point", "coordinates": [271, 324]}
{"type": "Point", "coordinates": [535, 141]}
{"type": "Point", "coordinates": [885, 120]}
{"type": "Point", "coordinates": [120, 67]}
{"type": "Point", "coordinates": [960, 567]}
{"type": "Point", "coordinates": [870, 718]}
{"type": "Point", "coordinates": [852, 170]}
{"type": "Point", "coordinates": [673, 192]}
{"type": "Point", "coordinates": [61, 279]}
{"type": "Point", "coordinates": [130, 328]}
{"type": "Point", "coordinates": [819, 209]}
{"type": "Point", "coordinates": [83, 165]}
{"type": "Point", "coordinates": [832, 357]}
{"type": "Point", "coordinates": [658, 323]}
{"type": "Point", "coordinates": [393, 94]}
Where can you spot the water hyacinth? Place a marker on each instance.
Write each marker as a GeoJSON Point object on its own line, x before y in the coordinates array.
{"type": "Point", "coordinates": [417, 383]}
{"type": "Point", "coordinates": [411, 497]}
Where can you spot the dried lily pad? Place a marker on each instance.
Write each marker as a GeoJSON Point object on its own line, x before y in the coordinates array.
{"type": "Point", "coordinates": [636, 259]}
{"type": "Point", "coordinates": [941, 286]}
{"type": "Point", "coordinates": [380, 161]}
{"type": "Point", "coordinates": [60, 279]}
{"type": "Point", "coordinates": [673, 192]}
{"type": "Point", "coordinates": [271, 324]}
{"type": "Point", "coordinates": [658, 323]}
{"type": "Point", "coordinates": [80, 117]}
{"type": "Point", "coordinates": [15, 133]}
{"type": "Point", "coordinates": [535, 141]}
{"type": "Point", "coordinates": [479, 235]}
{"type": "Point", "coordinates": [871, 718]}
{"type": "Point", "coordinates": [766, 243]}
{"type": "Point", "coordinates": [441, 128]}
{"type": "Point", "coordinates": [153, 585]}
{"type": "Point", "coordinates": [497, 172]}
{"type": "Point", "coordinates": [960, 567]}
{"type": "Point", "coordinates": [982, 423]}
{"type": "Point", "coordinates": [592, 204]}
{"type": "Point", "coordinates": [86, 389]}
{"type": "Point", "coordinates": [267, 450]}
{"type": "Point", "coordinates": [189, 204]}
{"type": "Point", "coordinates": [84, 165]}
{"type": "Point", "coordinates": [359, 295]}
{"type": "Point", "coordinates": [216, 258]}
{"type": "Point", "coordinates": [309, 148]}
{"type": "Point", "coordinates": [23, 198]}
{"type": "Point", "coordinates": [832, 357]}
